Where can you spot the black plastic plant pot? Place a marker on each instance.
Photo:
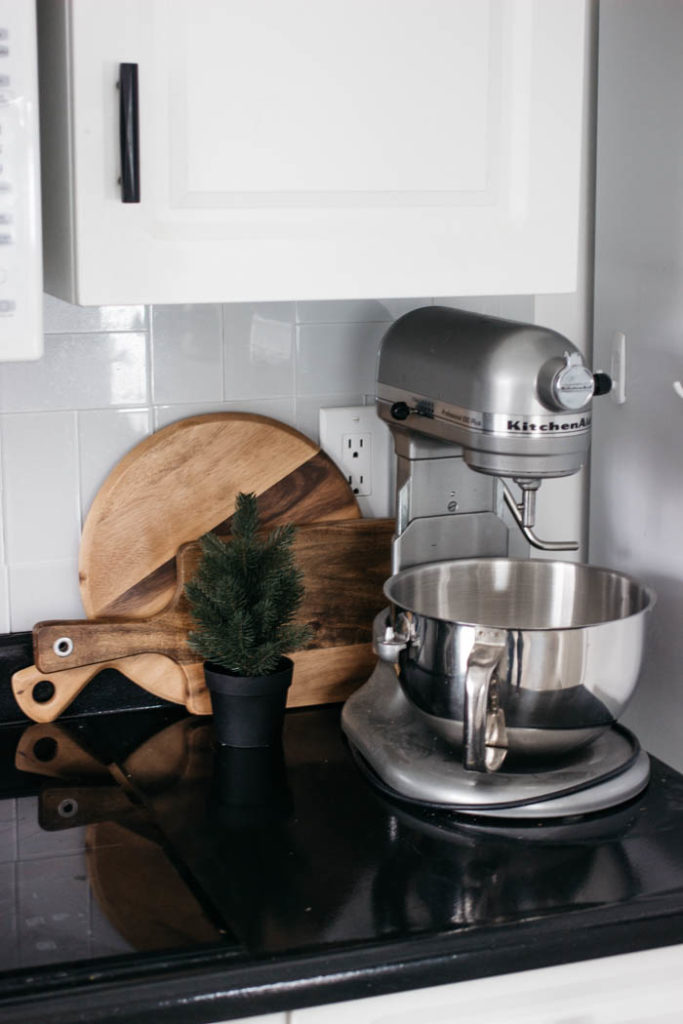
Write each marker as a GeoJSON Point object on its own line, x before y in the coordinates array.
{"type": "Point", "coordinates": [248, 711]}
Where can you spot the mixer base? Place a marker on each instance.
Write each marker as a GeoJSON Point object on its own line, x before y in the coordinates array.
{"type": "Point", "coordinates": [404, 758]}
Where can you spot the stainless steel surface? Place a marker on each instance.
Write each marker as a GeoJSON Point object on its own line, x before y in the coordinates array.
{"type": "Point", "coordinates": [557, 742]}
{"type": "Point", "coordinates": [430, 485]}
{"type": "Point", "coordinates": [521, 516]}
{"type": "Point", "coordinates": [465, 392]}
{"type": "Point", "coordinates": [515, 396]}
{"type": "Point", "coordinates": [406, 756]}
{"type": "Point", "coordinates": [519, 594]}
{"type": "Point", "coordinates": [485, 734]}
{"type": "Point", "coordinates": [565, 384]}
{"type": "Point", "coordinates": [573, 647]}
{"type": "Point", "coordinates": [425, 540]}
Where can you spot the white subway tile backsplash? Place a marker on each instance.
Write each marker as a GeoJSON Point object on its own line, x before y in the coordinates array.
{"type": "Point", "coordinates": [78, 371]}
{"type": "Point", "coordinates": [9, 942]}
{"type": "Point", "coordinates": [277, 408]}
{"type": "Point", "coordinates": [4, 600]}
{"type": "Point", "coordinates": [282, 409]}
{"type": "Point", "coordinates": [337, 358]}
{"type": "Point", "coordinates": [165, 414]}
{"type": "Point", "coordinates": [41, 487]}
{"type": "Point", "coordinates": [259, 350]}
{"type": "Point", "coordinates": [104, 437]}
{"type": "Point", "coordinates": [8, 832]}
{"type": "Point", "coordinates": [307, 411]}
{"type": "Point", "coordinates": [53, 907]}
{"type": "Point", "coordinates": [8, 813]}
{"type": "Point", "coordinates": [63, 318]}
{"type": "Point", "coordinates": [187, 354]}
{"type": "Point", "coordinates": [44, 590]}
{"type": "Point", "coordinates": [356, 311]}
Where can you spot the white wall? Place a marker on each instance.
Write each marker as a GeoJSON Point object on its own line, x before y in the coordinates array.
{"type": "Point", "coordinates": [637, 469]}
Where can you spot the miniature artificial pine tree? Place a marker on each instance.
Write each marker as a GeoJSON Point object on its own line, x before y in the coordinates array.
{"type": "Point", "coordinates": [245, 594]}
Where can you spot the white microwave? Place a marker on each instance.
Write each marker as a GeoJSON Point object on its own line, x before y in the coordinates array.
{"type": "Point", "coordinates": [21, 262]}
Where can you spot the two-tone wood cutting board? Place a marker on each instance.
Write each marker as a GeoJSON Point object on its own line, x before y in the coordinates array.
{"type": "Point", "coordinates": [178, 484]}
{"type": "Point", "coordinates": [182, 482]}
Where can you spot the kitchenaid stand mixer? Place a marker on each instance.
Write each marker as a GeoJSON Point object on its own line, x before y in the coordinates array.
{"type": "Point", "coordinates": [500, 677]}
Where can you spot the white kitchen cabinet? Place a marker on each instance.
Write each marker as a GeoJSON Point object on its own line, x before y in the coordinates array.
{"type": "Point", "coordinates": [634, 988]}
{"type": "Point", "coordinates": [291, 149]}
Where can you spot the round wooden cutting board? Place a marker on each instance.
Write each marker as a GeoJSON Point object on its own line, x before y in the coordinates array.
{"type": "Point", "coordinates": [182, 482]}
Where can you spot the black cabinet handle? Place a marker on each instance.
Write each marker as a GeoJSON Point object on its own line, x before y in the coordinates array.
{"type": "Point", "coordinates": [129, 133]}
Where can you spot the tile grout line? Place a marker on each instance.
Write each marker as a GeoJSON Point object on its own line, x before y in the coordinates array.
{"type": "Point", "coordinates": [224, 363]}
{"type": "Point", "coordinates": [295, 366]}
{"type": "Point", "coordinates": [149, 375]}
{"type": "Point", "coordinates": [79, 487]}
{"type": "Point", "coordinates": [3, 518]}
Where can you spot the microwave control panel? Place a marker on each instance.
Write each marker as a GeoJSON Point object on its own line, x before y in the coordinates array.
{"type": "Point", "coordinates": [21, 272]}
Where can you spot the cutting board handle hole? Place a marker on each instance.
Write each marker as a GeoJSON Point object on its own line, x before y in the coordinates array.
{"type": "Point", "coordinates": [43, 691]}
{"type": "Point", "coordinates": [45, 749]}
{"type": "Point", "coordinates": [63, 647]}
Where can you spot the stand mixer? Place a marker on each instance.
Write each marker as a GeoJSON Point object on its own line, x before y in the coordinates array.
{"type": "Point", "coordinates": [500, 677]}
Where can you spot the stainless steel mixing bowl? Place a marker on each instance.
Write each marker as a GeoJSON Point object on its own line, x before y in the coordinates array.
{"type": "Point", "coordinates": [527, 656]}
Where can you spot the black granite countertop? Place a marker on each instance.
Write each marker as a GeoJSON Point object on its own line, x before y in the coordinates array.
{"type": "Point", "coordinates": [144, 870]}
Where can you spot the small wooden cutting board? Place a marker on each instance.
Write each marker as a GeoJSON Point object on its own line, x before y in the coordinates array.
{"type": "Point", "coordinates": [344, 564]}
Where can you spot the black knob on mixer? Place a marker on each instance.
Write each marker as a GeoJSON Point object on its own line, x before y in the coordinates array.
{"type": "Point", "coordinates": [400, 410]}
{"type": "Point", "coordinates": [602, 383]}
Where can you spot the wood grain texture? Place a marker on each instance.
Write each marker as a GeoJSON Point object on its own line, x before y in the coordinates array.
{"type": "Point", "coordinates": [330, 674]}
{"type": "Point", "coordinates": [182, 482]}
{"type": "Point", "coordinates": [66, 758]}
{"type": "Point", "coordinates": [133, 881]}
{"type": "Point", "coordinates": [344, 565]}
{"type": "Point", "coordinates": [163, 677]}
{"type": "Point", "coordinates": [140, 893]}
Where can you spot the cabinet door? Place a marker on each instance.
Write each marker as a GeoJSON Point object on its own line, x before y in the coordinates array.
{"type": "Point", "coordinates": [298, 150]}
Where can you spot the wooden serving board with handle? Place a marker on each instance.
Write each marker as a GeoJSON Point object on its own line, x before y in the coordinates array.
{"type": "Point", "coordinates": [344, 564]}
{"type": "Point", "coordinates": [163, 677]}
{"type": "Point", "coordinates": [170, 489]}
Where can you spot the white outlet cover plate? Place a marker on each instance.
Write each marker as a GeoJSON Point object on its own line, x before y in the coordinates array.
{"type": "Point", "coordinates": [340, 421]}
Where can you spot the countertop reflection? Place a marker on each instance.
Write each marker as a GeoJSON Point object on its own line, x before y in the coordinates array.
{"type": "Point", "coordinates": [160, 840]}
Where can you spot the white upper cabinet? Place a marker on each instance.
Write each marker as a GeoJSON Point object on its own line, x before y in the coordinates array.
{"type": "Point", "coordinates": [312, 149]}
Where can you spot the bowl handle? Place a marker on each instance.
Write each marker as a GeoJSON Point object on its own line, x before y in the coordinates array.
{"type": "Point", "coordinates": [394, 639]}
{"type": "Point", "coordinates": [486, 742]}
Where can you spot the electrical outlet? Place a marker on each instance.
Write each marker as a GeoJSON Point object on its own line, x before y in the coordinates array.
{"type": "Point", "coordinates": [356, 461]}
{"type": "Point", "coordinates": [360, 444]}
